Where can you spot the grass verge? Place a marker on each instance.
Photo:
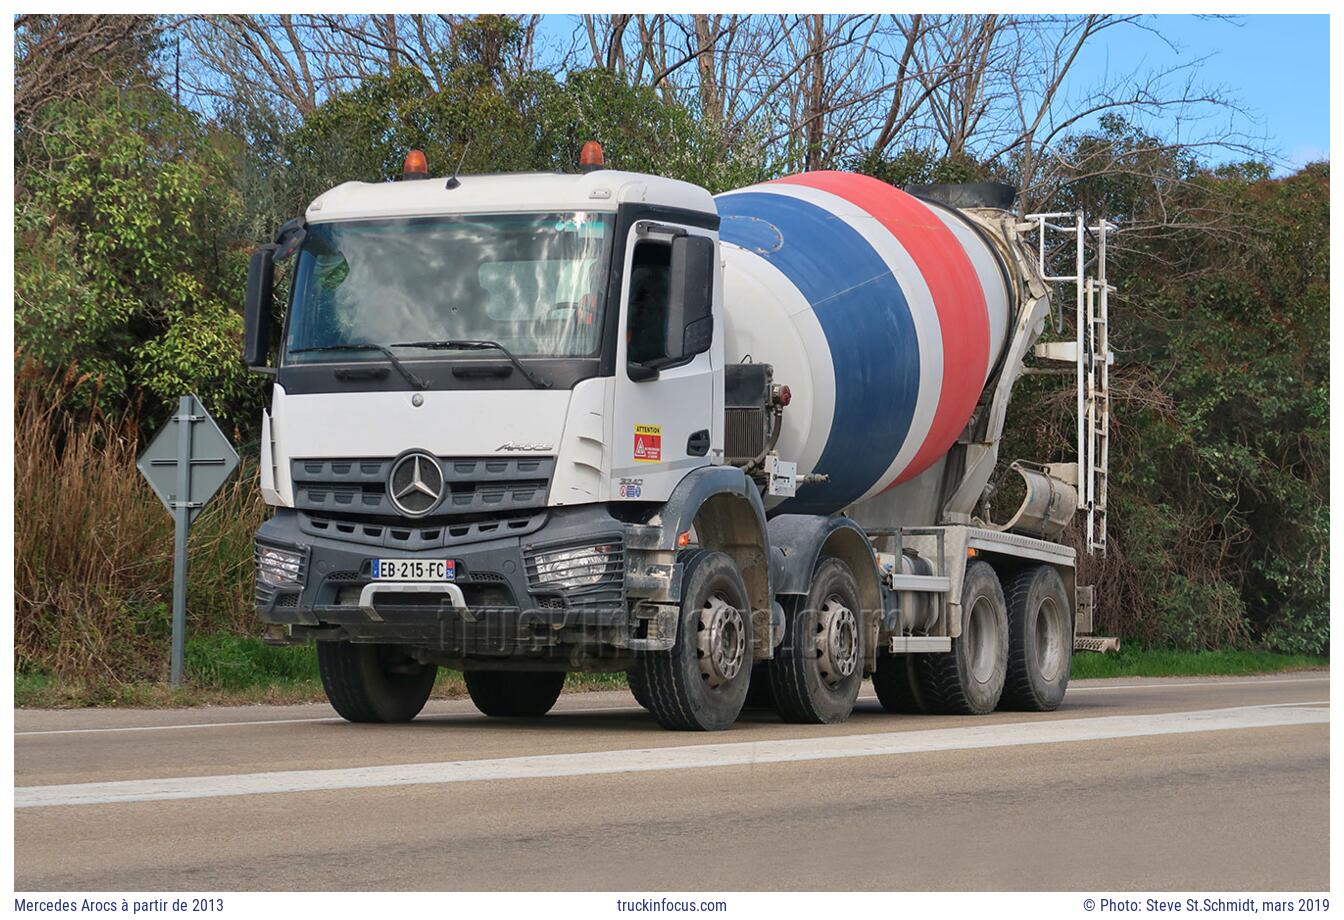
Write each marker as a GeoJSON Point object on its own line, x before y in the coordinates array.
{"type": "Point", "coordinates": [224, 669]}
{"type": "Point", "coordinates": [1137, 662]}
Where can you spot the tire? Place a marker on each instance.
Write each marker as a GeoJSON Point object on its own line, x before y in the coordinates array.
{"type": "Point", "coordinates": [639, 687]}
{"type": "Point", "coordinates": [374, 683]}
{"type": "Point", "coordinates": [897, 682]}
{"type": "Point", "coordinates": [514, 694]}
{"type": "Point", "coordinates": [759, 696]}
{"type": "Point", "coordinates": [969, 679]}
{"type": "Point", "coordinates": [817, 670]}
{"type": "Point", "coordinates": [700, 684]}
{"type": "Point", "coordinates": [1040, 641]}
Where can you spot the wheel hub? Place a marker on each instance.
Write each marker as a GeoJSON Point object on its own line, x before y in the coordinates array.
{"type": "Point", "coordinates": [837, 641]}
{"type": "Point", "coordinates": [982, 639]}
{"type": "Point", "coordinates": [722, 641]}
{"type": "Point", "coordinates": [1051, 630]}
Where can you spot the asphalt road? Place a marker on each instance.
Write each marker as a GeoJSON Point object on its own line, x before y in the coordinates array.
{"type": "Point", "coordinates": [1217, 785]}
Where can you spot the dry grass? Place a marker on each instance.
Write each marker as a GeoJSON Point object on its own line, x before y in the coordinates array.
{"type": "Point", "coordinates": [93, 551]}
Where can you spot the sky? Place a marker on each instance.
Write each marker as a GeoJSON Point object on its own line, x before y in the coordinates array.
{"type": "Point", "coordinates": [1277, 67]}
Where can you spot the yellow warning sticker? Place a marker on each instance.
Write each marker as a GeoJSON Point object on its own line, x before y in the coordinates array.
{"type": "Point", "coordinates": [649, 443]}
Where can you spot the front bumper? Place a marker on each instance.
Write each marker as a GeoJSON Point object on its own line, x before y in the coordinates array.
{"type": "Point", "coordinates": [497, 604]}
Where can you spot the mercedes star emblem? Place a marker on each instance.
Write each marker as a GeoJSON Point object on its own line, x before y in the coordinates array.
{"type": "Point", "coordinates": [415, 484]}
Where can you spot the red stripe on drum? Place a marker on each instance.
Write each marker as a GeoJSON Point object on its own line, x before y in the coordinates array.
{"type": "Point", "coordinates": [954, 284]}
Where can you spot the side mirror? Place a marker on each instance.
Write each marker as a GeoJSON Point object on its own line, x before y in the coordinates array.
{"type": "Point", "coordinates": [257, 312]}
{"type": "Point", "coordinates": [260, 291]}
{"type": "Point", "coordinates": [690, 298]}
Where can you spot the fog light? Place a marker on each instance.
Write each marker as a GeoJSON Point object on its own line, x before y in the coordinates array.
{"type": "Point", "coordinates": [278, 567]}
{"type": "Point", "coordinates": [573, 568]}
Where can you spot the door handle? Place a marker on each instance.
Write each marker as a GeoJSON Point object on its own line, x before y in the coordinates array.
{"type": "Point", "coordinates": [698, 443]}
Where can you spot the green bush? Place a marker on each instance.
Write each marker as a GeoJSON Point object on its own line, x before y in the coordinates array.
{"type": "Point", "coordinates": [125, 280]}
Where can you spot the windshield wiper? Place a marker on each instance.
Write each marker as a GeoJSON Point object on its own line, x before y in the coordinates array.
{"type": "Point", "coordinates": [402, 369]}
{"type": "Point", "coordinates": [477, 345]}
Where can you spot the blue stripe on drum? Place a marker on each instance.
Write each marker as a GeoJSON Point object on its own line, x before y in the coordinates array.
{"type": "Point", "coordinates": [868, 327]}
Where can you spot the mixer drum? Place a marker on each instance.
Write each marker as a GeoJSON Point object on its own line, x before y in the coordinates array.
{"type": "Point", "coordinates": [883, 313]}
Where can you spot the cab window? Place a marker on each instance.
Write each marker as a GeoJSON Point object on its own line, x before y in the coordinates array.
{"type": "Point", "coordinates": [646, 321]}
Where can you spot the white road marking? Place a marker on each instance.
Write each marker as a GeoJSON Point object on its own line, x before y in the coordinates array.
{"type": "Point", "coordinates": [163, 728]}
{"type": "Point", "coordinates": [674, 758]}
{"type": "Point", "coordinates": [590, 709]}
{"type": "Point", "coordinates": [430, 715]}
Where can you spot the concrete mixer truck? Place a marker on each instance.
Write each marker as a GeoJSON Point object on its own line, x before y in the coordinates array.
{"type": "Point", "coordinates": [744, 448]}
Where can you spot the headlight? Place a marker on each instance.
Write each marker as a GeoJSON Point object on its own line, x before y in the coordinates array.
{"type": "Point", "coordinates": [573, 568]}
{"type": "Point", "coordinates": [278, 567]}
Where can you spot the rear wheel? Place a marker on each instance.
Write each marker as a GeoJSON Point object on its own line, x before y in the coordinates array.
{"type": "Point", "coordinates": [700, 684]}
{"type": "Point", "coordinates": [969, 679]}
{"type": "Point", "coordinates": [897, 682]}
{"type": "Point", "coordinates": [1040, 641]}
{"type": "Point", "coordinates": [374, 683]}
{"type": "Point", "coordinates": [817, 671]}
{"type": "Point", "coordinates": [514, 694]}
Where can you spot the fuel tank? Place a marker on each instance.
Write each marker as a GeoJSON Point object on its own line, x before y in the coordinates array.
{"type": "Point", "coordinates": [884, 313]}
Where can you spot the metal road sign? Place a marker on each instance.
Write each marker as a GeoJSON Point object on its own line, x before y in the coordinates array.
{"type": "Point", "coordinates": [185, 464]}
{"type": "Point", "coordinates": [210, 458]}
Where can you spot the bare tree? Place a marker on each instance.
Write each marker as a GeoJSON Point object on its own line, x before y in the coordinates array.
{"type": "Point", "coordinates": [66, 56]}
{"type": "Point", "coordinates": [300, 61]}
{"type": "Point", "coordinates": [808, 91]}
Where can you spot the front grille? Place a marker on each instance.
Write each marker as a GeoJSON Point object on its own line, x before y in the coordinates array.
{"type": "Point", "coordinates": [471, 485]}
{"type": "Point", "coordinates": [436, 536]}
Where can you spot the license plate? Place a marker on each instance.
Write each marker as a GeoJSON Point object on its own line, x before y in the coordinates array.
{"type": "Point", "coordinates": [413, 569]}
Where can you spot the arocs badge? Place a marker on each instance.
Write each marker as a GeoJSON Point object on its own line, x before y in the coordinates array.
{"type": "Point", "coordinates": [649, 443]}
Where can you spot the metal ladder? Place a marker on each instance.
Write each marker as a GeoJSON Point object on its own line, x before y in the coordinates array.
{"type": "Point", "coordinates": [1089, 353]}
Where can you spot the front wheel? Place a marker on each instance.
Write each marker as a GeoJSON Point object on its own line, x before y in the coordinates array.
{"type": "Point", "coordinates": [514, 694]}
{"type": "Point", "coordinates": [639, 687]}
{"type": "Point", "coordinates": [374, 683]}
{"type": "Point", "coordinates": [700, 684]}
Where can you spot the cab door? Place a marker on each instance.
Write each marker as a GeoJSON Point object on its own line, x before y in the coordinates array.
{"type": "Point", "coordinates": [663, 418]}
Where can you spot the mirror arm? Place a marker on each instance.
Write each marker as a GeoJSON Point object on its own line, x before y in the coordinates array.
{"type": "Point", "coordinates": [641, 372]}
{"type": "Point", "coordinates": [289, 238]}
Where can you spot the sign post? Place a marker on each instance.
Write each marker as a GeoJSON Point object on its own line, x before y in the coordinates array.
{"type": "Point", "coordinates": [186, 463]}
